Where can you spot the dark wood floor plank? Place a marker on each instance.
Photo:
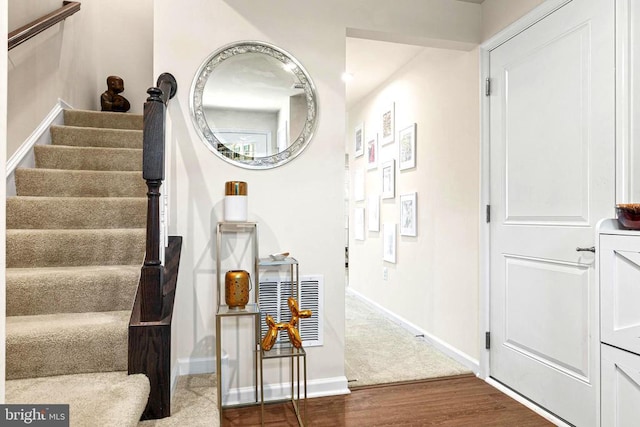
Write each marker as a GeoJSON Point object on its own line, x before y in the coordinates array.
{"type": "Point", "coordinates": [460, 401]}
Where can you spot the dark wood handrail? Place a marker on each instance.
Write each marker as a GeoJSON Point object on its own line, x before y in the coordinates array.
{"type": "Point", "coordinates": [33, 28]}
{"type": "Point", "coordinates": [153, 154]}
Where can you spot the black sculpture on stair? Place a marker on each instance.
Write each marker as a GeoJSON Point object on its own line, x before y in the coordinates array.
{"type": "Point", "coordinates": [111, 100]}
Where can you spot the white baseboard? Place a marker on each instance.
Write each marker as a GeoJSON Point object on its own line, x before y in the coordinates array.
{"type": "Point", "coordinates": [196, 365]}
{"type": "Point", "coordinates": [437, 343]}
{"type": "Point", "coordinates": [23, 157]}
{"type": "Point", "coordinates": [526, 402]}
{"type": "Point", "coordinates": [273, 392]}
{"type": "Point", "coordinates": [315, 388]}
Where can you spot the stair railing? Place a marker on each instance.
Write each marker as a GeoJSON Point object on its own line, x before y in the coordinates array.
{"type": "Point", "coordinates": [153, 154]}
{"type": "Point", "coordinates": [150, 324]}
{"type": "Point", "coordinates": [33, 28]}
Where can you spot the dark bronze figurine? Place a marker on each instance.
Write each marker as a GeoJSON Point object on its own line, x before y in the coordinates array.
{"type": "Point", "coordinates": [111, 100]}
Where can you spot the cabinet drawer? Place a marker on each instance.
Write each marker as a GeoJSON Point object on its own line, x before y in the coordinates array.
{"type": "Point", "coordinates": [620, 291]}
{"type": "Point", "coordinates": [620, 392]}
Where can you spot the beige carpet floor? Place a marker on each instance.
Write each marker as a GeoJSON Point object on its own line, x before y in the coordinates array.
{"type": "Point", "coordinates": [194, 404]}
{"type": "Point", "coordinates": [379, 351]}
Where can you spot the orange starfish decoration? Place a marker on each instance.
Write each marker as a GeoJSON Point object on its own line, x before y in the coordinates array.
{"type": "Point", "coordinates": [294, 335]}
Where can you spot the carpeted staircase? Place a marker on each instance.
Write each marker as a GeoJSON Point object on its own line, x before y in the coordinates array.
{"type": "Point", "coordinates": [75, 245]}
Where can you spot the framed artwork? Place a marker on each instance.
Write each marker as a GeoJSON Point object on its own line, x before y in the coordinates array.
{"type": "Point", "coordinates": [358, 223]}
{"type": "Point", "coordinates": [388, 124]}
{"type": "Point", "coordinates": [389, 179]}
{"type": "Point", "coordinates": [358, 185]}
{"type": "Point", "coordinates": [407, 147]}
{"type": "Point", "coordinates": [373, 207]}
{"type": "Point", "coordinates": [408, 214]}
{"type": "Point", "coordinates": [389, 242]}
{"type": "Point", "coordinates": [372, 152]}
{"type": "Point", "coordinates": [358, 141]}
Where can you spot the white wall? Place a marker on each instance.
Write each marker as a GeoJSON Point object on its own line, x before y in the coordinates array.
{"type": "Point", "coordinates": [3, 162]}
{"type": "Point", "coordinates": [434, 283]}
{"type": "Point", "coordinates": [498, 14]}
{"type": "Point", "coordinates": [72, 59]}
{"type": "Point", "coordinates": [300, 206]}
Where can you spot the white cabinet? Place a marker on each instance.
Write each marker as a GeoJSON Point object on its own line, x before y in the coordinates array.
{"type": "Point", "coordinates": [619, 267]}
{"type": "Point", "coordinates": [620, 387]}
{"type": "Point", "coordinates": [620, 291]}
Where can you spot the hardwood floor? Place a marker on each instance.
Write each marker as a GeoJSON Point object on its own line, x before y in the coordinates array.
{"type": "Point", "coordinates": [459, 401]}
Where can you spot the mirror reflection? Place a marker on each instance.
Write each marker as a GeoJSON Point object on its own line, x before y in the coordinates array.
{"type": "Point", "coordinates": [254, 105]}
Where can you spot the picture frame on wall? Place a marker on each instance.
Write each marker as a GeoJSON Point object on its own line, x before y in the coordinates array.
{"type": "Point", "coordinates": [388, 173]}
{"type": "Point", "coordinates": [373, 208]}
{"type": "Point", "coordinates": [358, 140]}
{"type": "Point", "coordinates": [408, 214]}
{"type": "Point", "coordinates": [387, 119]}
{"type": "Point", "coordinates": [358, 223]}
{"type": "Point", "coordinates": [389, 242]}
{"type": "Point", "coordinates": [372, 152]}
{"type": "Point", "coordinates": [407, 147]}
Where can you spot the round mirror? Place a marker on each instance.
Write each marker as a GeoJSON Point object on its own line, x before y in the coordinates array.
{"type": "Point", "coordinates": [254, 105]}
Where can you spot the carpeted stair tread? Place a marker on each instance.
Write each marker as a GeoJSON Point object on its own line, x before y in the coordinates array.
{"type": "Point", "coordinates": [65, 183]}
{"type": "Point", "coordinates": [75, 242]}
{"type": "Point", "coordinates": [103, 119]}
{"type": "Point", "coordinates": [51, 248]}
{"type": "Point", "coordinates": [66, 343]}
{"type": "Point", "coordinates": [88, 158]}
{"type": "Point", "coordinates": [76, 212]}
{"type": "Point", "coordinates": [51, 290]}
{"type": "Point", "coordinates": [108, 399]}
{"type": "Point", "coordinates": [95, 137]}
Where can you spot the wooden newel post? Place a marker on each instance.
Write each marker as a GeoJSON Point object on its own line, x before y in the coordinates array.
{"type": "Point", "coordinates": [152, 314]}
{"type": "Point", "coordinates": [153, 173]}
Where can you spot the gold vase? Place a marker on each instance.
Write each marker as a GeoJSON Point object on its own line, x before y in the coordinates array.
{"type": "Point", "coordinates": [236, 288]}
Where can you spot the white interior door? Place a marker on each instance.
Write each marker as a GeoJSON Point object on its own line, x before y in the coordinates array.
{"type": "Point", "coordinates": [552, 178]}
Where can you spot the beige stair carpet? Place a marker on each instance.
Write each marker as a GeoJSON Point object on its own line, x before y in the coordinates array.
{"type": "Point", "coordinates": [90, 397]}
{"type": "Point", "coordinates": [75, 245]}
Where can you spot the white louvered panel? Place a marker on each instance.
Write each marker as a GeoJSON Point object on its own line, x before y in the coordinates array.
{"type": "Point", "coordinates": [268, 302]}
{"type": "Point", "coordinates": [310, 299]}
{"type": "Point", "coordinates": [274, 293]}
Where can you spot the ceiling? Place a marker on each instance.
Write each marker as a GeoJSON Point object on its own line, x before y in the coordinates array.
{"type": "Point", "coordinates": [371, 63]}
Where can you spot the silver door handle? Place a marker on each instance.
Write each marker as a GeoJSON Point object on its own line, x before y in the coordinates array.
{"type": "Point", "coordinates": [591, 249]}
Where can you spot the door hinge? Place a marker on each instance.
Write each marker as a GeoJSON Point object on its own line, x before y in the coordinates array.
{"type": "Point", "coordinates": [487, 340]}
{"type": "Point", "coordinates": [488, 213]}
{"type": "Point", "coordinates": [487, 87]}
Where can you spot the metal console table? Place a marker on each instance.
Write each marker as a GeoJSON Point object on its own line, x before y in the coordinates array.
{"type": "Point", "coordinates": [250, 229]}
{"type": "Point", "coordinates": [286, 350]}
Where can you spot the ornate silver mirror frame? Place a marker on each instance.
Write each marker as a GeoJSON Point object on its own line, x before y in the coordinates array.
{"type": "Point", "coordinates": [301, 81]}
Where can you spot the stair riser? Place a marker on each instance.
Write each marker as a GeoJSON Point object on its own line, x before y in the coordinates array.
{"type": "Point", "coordinates": [100, 119]}
{"type": "Point", "coordinates": [93, 137]}
{"type": "Point", "coordinates": [74, 349]}
{"type": "Point", "coordinates": [52, 248]}
{"type": "Point", "coordinates": [53, 183]}
{"type": "Point", "coordinates": [67, 213]}
{"type": "Point", "coordinates": [49, 292]}
{"type": "Point", "coordinates": [83, 158]}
